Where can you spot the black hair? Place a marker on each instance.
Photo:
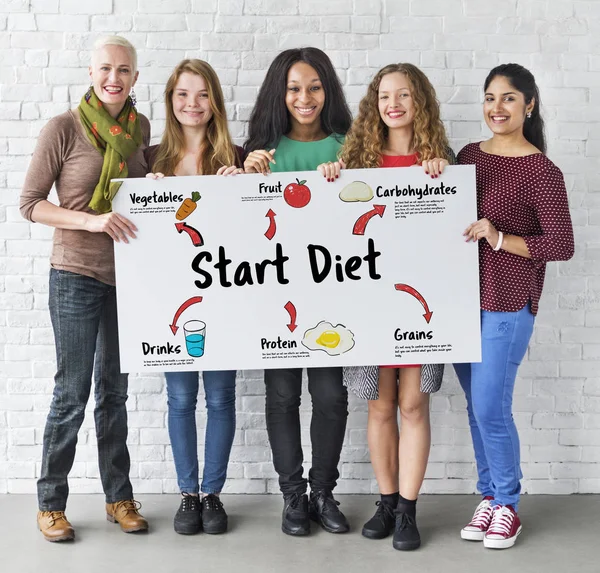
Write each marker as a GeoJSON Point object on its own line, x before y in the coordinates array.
{"type": "Point", "coordinates": [270, 118]}
{"type": "Point", "coordinates": [523, 81]}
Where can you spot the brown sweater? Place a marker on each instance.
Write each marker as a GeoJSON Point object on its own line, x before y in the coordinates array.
{"type": "Point", "coordinates": [65, 156]}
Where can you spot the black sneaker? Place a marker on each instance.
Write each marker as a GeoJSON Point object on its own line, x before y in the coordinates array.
{"type": "Point", "coordinates": [214, 518]}
{"type": "Point", "coordinates": [324, 510]}
{"type": "Point", "coordinates": [382, 523]}
{"type": "Point", "coordinates": [406, 534]}
{"type": "Point", "coordinates": [188, 519]}
{"type": "Point", "coordinates": [294, 519]}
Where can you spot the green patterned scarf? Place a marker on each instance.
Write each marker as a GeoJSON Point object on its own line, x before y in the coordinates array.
{"type": "Point", "coordinates": [116, 139]}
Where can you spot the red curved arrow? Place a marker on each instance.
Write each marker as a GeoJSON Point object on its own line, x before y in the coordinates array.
{"type": "Point", "coordinates": [189, 302]}
{"type": "Point", "coordinates": [272, 225]}
{"type": "Point", "coordinates": [410, 290]}
{"type": "Point", "coordinates": [292, 312]}
{"type": "Point", "coordinates": [361, 222]}
{"type": "Point", "coordinates": [194, 234]}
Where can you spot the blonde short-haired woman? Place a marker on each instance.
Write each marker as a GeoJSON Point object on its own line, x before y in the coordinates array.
{"type": "Point", "coordinates": [80, 151]}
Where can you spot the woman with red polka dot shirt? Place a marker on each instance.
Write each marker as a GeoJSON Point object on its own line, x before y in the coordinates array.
{"type": "Point", "coordinates": [523, 223]}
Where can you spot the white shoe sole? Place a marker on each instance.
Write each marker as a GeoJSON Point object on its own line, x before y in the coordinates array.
{"type": "Point", "coordinates": [472, 535]}
{"type": "Point", "coordinates": [501, 543]}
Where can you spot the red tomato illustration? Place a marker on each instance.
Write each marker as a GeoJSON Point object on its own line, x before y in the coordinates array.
{"type": "Point", "coordinates": [297, 194]}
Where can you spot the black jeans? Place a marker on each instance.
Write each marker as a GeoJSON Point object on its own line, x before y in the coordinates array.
{"type": "Point", "coordinates": [327, 427]}
{"type": "Point", "coordinates": [84, 318]}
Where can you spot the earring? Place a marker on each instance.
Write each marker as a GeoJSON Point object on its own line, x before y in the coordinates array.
{"type": "Point", "coordinates": [133, 97]}
{"type": "Point", "coordinates": [528, 115]}
{"type": "Point", "coordinates": [88, 94]}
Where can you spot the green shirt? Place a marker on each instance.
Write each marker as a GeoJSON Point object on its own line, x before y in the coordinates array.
{"type": "Point", "coordinates": [294, 155]}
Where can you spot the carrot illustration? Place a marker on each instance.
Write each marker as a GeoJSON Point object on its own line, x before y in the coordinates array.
{"type": "Point", "coordinates": [188, 206]}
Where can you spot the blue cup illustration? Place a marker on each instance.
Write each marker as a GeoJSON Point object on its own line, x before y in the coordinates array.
{"type": "Point", "coordinates": [195, 332]}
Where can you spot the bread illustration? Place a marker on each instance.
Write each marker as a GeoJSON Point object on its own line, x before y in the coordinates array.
{"type": "Point", "coordinates": [356, 191]}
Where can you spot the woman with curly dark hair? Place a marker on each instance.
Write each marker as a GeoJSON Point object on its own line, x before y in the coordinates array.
{"type": "Point", "coordinates": [299, 121]}
{"type": "Point", "coordinates": [398, 125]}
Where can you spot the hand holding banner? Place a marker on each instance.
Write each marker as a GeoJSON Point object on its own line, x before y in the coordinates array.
{"type": "Point", "coordinates": [291, 271]}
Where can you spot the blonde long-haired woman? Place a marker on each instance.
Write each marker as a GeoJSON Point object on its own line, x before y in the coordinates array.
{"type": "Point", "coordinates": [196, 141]}
{"type": "Point", "coordinates": [398, 125]}
{"type": "Point", "coordinates": [385, 127]}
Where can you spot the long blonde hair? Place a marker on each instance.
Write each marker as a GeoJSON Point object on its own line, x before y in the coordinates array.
{"type": "Point", "coordinates": [367, 137]}
{"type": "Point", "coordinates": [218, 149]}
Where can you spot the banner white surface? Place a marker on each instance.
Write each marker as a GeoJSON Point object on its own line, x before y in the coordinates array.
{"type": "Point", "coordinates": [288, 270]}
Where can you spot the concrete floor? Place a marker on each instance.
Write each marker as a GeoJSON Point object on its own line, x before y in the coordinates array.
{"type": "Point", "coordinates": [560, 534]}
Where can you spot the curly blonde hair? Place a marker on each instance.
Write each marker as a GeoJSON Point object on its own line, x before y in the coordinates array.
{"type": "Point", "coordinates": [364, 144]}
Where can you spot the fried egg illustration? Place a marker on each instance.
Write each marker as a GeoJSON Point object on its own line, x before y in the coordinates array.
{"type": "Point", "coordinates": [334, 340]}
{"type": "Point", "coordinates": [356, 191]}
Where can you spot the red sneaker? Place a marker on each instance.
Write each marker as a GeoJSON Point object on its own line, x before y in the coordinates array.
{"type": "Point", "coordinates": [476, 528]}
{"type": "Point", "coordinates": [504, 529]}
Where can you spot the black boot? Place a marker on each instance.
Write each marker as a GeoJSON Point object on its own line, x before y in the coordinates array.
{"type": "Point", "coordinates": [188, 519]}
{"type": "Point", "coordinates": [295, 520]}
{"type": "Point", "coordinates": [406, 534]}
{"type": "Point", "coordinates": [382, 523]}
{"type": "Point", "coordinates": [324, 510]}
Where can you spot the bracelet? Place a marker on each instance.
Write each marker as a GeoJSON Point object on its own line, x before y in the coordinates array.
{"type": "Point", "coordinates": [500, 241]}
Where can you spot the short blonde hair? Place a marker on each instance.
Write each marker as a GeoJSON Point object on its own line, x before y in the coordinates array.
{"type": "Point", "coordinates": [116, 41]}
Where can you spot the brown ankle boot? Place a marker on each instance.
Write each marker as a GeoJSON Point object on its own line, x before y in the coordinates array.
{"type": "Point", "coordinates": [55, 526]}
{"type": "Point", "coordinates": [126, 514]}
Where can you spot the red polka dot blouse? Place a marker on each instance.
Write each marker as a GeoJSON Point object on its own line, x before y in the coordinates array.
{"type": "Point", "coordinates": [526, 197]}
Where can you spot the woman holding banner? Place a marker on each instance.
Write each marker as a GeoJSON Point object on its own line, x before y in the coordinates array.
{"type": "Point", "coordinates": [523, 223]}
{"type": "Point", "coordinates": [197, 142]}
{"type": "Point", "coordinates": [299, 121]}
{"type": "Point", "coordinates": [80, 151]}
{"type": "Point", "coordinates": [398, 125]}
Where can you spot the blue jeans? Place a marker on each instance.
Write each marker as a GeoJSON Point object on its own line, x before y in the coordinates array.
{"type": "Point", "coordinates": [488, 386]}
{"type": "Point", "coordinates": [182, 396]}
{"type": "Point", "coordinates": [84, 318]}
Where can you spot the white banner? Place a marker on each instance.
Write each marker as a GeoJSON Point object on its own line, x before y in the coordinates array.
{"type": "Point", "coordinates": [288, 270]}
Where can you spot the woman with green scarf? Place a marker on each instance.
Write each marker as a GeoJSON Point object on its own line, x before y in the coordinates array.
{"type": "Point", "coordinates": [79, 152]}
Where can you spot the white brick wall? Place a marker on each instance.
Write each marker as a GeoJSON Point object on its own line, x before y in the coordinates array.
{"type": "Point", "coordinates": [44, 49]}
